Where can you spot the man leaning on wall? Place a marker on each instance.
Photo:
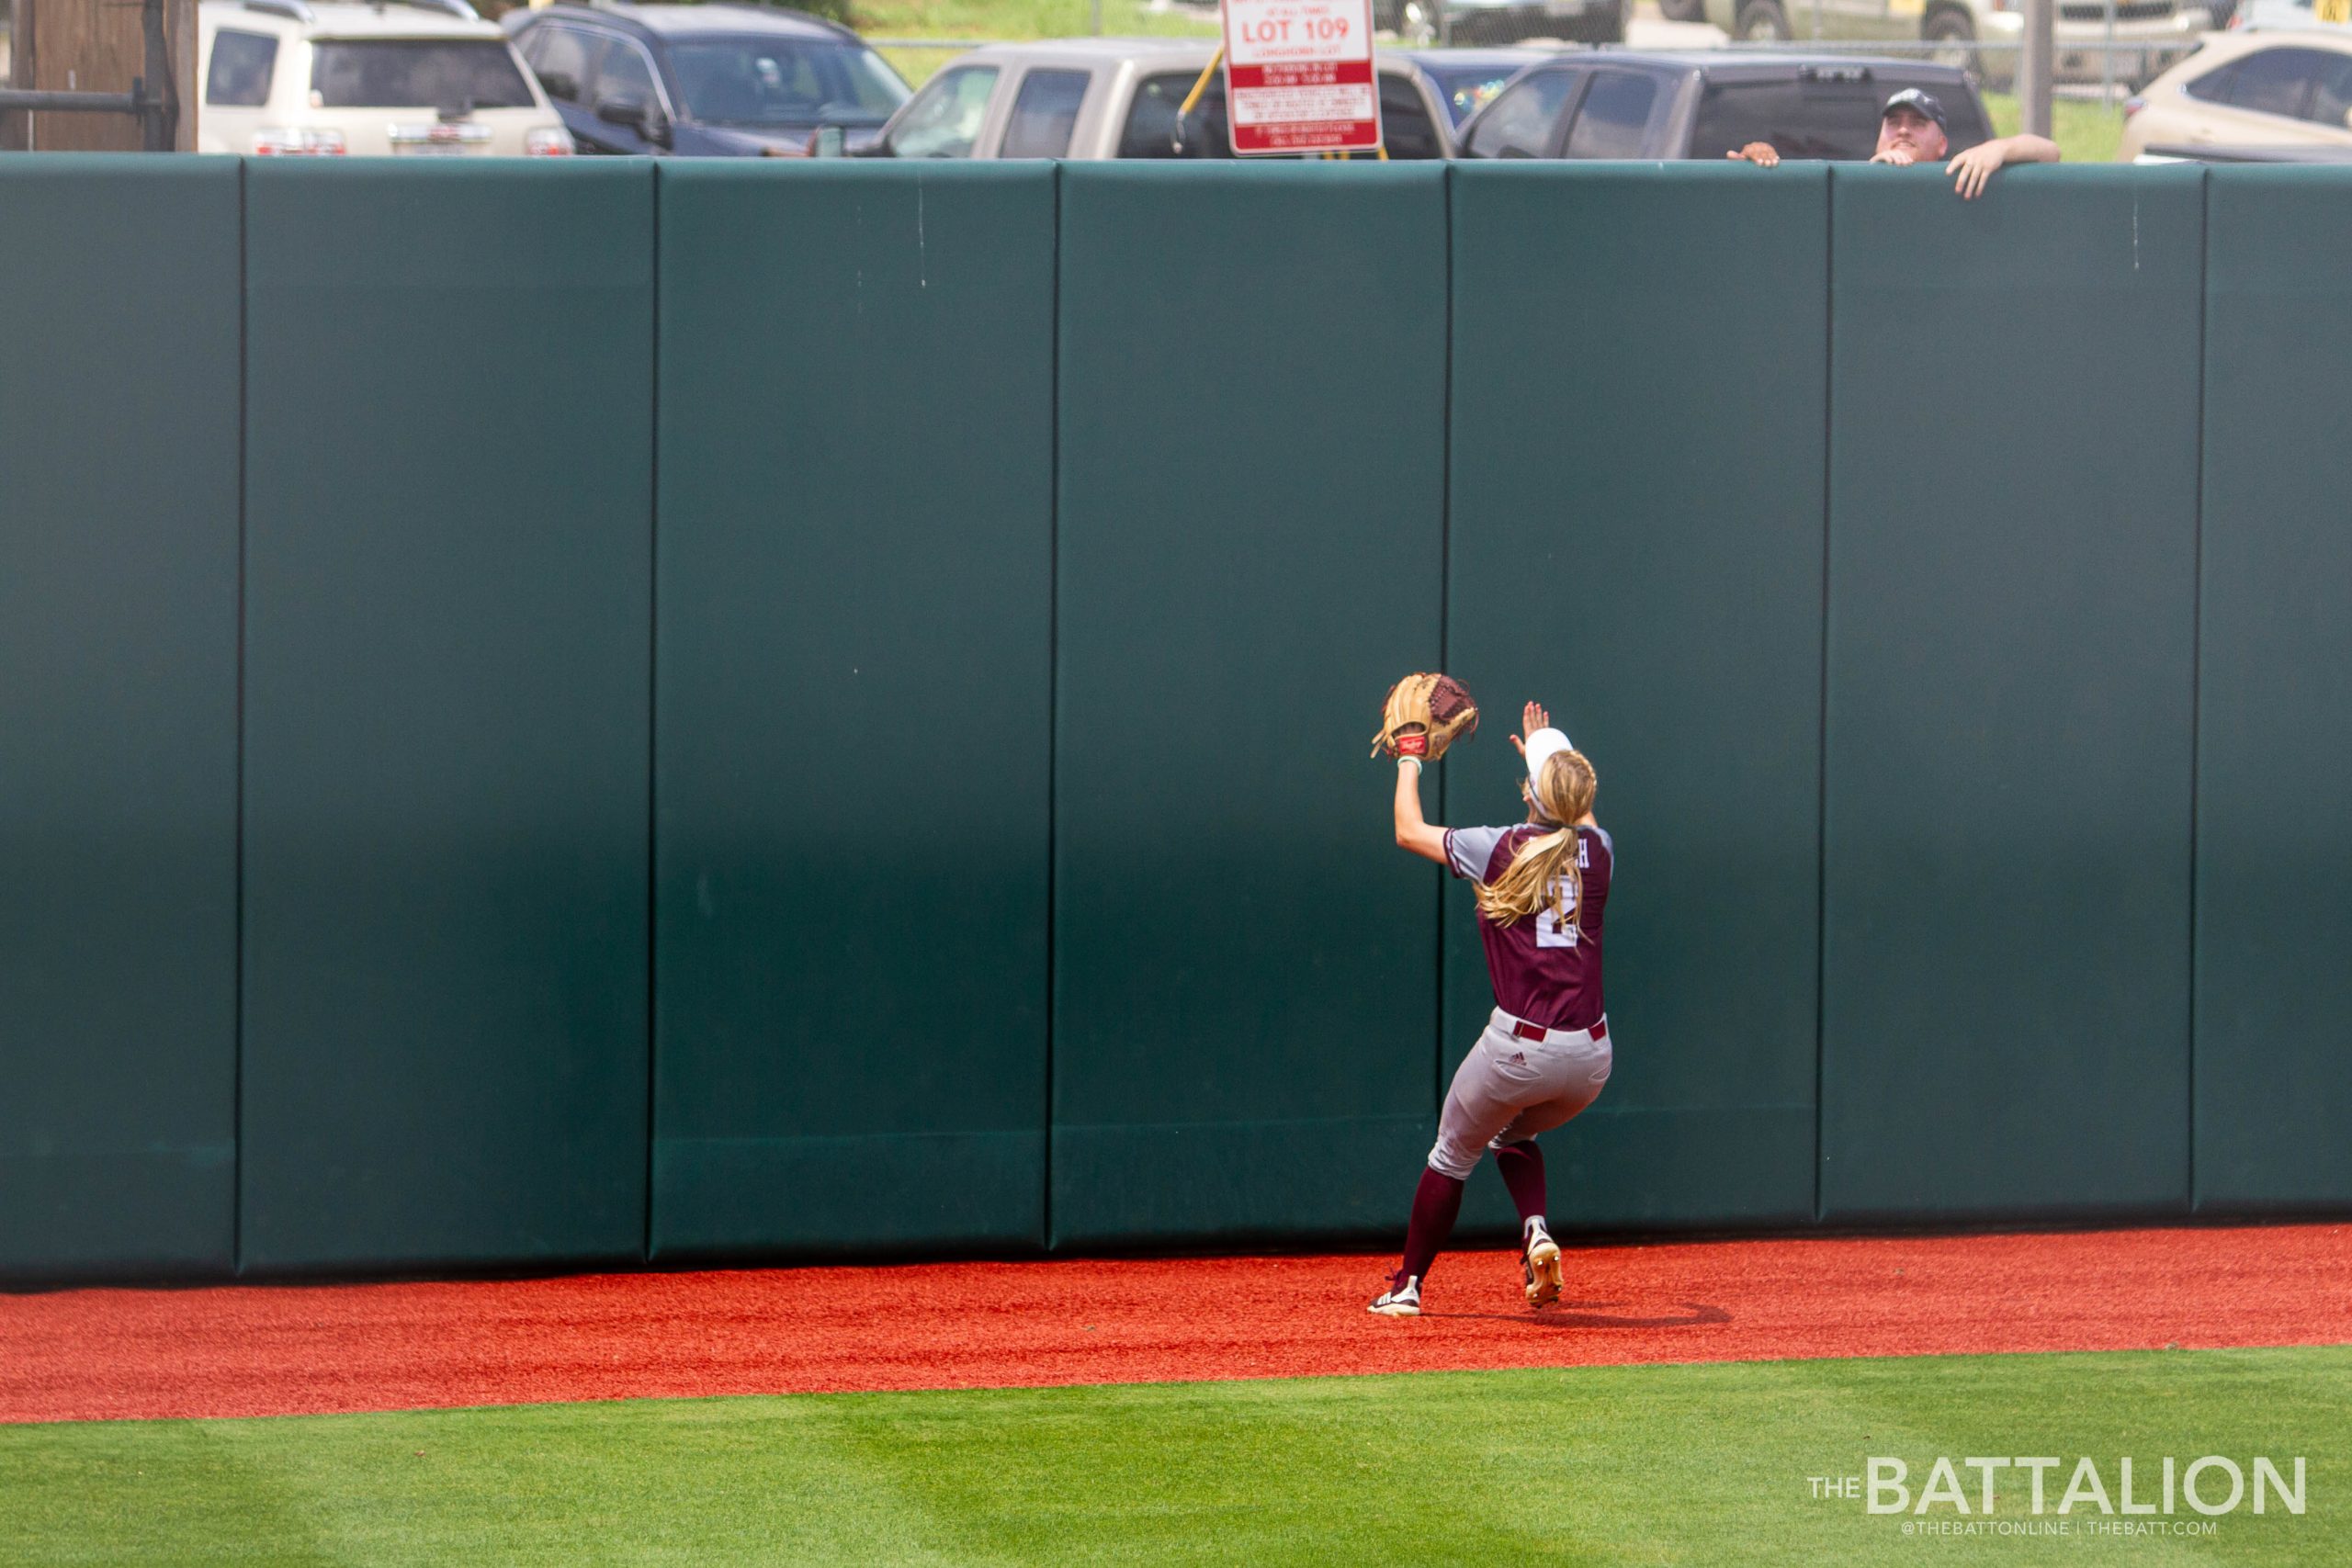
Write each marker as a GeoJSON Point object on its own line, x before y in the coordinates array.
{"type": "Point", "coordinates": [1911, 129]}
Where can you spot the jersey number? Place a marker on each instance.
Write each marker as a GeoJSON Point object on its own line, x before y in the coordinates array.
{"type": "Point", "coordinates": [1549, 932]}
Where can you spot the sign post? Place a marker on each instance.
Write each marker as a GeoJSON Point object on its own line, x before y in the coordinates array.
{"type": "Point", "coordinates": [1298, 76]}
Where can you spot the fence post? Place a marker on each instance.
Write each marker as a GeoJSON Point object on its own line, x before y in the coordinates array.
{"type": "Point", "coordinates": [2034, 64]}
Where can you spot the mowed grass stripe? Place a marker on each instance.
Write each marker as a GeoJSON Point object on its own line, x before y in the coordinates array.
{"type": "Point", "coordinates": [1657, 1464]}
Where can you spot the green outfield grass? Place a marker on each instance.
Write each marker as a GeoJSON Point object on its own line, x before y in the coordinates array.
{"type": "Point", "coordinates": [1704, 1465]}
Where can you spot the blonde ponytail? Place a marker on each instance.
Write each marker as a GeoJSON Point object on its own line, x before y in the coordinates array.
{"type": "Point", "coordinates": [1547, 870]}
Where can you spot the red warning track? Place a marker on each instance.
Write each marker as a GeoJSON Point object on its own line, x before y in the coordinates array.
{"type": "Point", "coordinates": [259, 1350]}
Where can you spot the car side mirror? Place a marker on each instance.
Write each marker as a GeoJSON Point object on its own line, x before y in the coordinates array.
{"type": "Point", "coordinates": [559, 85]}
{"type": "Point", "coordinates": [637, 116]}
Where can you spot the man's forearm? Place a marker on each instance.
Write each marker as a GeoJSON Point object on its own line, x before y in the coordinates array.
{"type": "Point", "coordinates": [2027, 149]}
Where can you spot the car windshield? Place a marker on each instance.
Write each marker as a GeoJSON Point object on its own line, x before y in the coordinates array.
{"type": "Point", "coordinates": [777, 80]}
{"type": "Point", "coordinates": [1829, 113]}
{"type": "Point", "coordinates": [1464, 90]}
{"type": "Point", "coordinates": [388, 73]}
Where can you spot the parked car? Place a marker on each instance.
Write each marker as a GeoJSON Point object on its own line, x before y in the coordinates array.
{"type": "Point", "coordinates": [2291, 15]}
{"type": "Point", "coordinates": [1466, 78]}
{"type": "Point", "coordinates": [2251, 89]}
{"type": "Point", "coordinates": [2160, 32]}
{"type": "Point", "coordinates": [1114, 98]}
{"type": "Point", "coordinates": [1707, 103]}
{"type": "Point", "coordinates": [710, 80]}
{"type": "Point", "coordinates": [287, 77]}
{"type": "Point", "coordinates": [1416, 22]}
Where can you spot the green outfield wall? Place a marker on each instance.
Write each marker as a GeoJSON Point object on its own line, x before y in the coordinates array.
{"type": "Point", "coordinates": [119, 513]}
{"type": "Point", "coordinates": [580, 716]}
{"type": "Point", "coordinates": [1252, 547]}
{"type": "Point", "coordinates": [853, 699]}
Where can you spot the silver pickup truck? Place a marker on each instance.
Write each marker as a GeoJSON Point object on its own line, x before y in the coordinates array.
{"type": "Point", "coordinates": [2151, 36]}
{"type": "Point", "coordinates": [1113, 98]}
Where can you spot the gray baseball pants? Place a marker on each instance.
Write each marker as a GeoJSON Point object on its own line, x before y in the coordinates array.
{"type": "Point", "coordinates": [1508, 1089]}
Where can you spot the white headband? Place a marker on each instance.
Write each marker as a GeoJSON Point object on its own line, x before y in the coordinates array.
{"type": "Point", "coordinates": [1542, 747]}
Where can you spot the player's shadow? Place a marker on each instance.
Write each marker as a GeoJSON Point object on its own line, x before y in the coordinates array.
{"type": "Point", "coordinates": [1579, 1315]}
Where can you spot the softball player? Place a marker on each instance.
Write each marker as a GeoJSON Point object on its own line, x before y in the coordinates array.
{"type": "Point", "coordinates": [1545, 1052]}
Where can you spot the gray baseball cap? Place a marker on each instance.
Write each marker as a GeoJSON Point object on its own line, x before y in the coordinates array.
{"type": "Point", "coordinates": [1912, 99]}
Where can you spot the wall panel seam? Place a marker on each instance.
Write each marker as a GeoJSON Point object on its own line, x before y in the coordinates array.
{"type": "Point", "coordinates": [1053, 678]}
{"type": "Point", "coordinates": [2197, 647]}
{"type": "Point", "coordinates": [237, 896]}
{"type": "Point", "coordinates": [1821, 713]}
{"type": "Point", "coordinates": [1444, 630]}
{"type": "Point", "coordinates": [653, 692]}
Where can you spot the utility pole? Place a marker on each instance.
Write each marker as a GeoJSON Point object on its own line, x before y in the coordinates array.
{"type": "Point", "coordinates": [101, 76]}
{"type": "Point", "coordinates": [2034, 68]}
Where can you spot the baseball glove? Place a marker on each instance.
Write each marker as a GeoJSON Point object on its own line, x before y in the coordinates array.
{"type": "Point", "coordinates": [1424, 715]}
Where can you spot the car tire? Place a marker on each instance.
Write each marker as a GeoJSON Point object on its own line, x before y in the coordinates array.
{"type": "Point", "coordinates": [1762, 21]}
{"type": "Point", "coordinates": [1683, 10]}
{"type": "Point", "coordinates": [1956, 31]}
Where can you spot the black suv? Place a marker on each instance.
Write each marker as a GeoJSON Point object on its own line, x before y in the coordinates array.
{"type": "Point", "coordinates": [738, 80]}
{"type": "Point", "coordinates": [1703, 104]}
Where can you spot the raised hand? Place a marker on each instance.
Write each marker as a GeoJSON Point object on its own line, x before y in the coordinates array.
{"type": "Point", "coordinates": [1531, 719]}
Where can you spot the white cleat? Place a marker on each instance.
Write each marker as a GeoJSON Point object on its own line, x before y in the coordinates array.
{"type": "Point", "coordinates": [1541, 1261]}
{"type": "Point", "coordinates": [1401, 1299]}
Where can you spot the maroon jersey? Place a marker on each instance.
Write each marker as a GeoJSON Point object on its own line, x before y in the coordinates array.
{"type": "Point", "coordinates": [1544, 972]}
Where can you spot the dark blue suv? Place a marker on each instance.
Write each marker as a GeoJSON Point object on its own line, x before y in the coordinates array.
{"type": "Point", "coordinates": [724, 80]}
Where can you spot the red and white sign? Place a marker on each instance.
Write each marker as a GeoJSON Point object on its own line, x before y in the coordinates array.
{"type": "Point", "coordinates": [1298, 76]}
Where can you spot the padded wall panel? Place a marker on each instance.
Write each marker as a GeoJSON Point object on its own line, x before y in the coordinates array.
{"type": "Point", "coordinates": [853, 710]}
{"type": "Point", "coordinates": [448, 628]}
{"type": "Point", "coordinates": [118, 390]}
{"type": "Point", "coordinates": [2012, 625]}
{"type": "Point", "coordinates": [1252, 383]}
{"type": "Point", "coordinates": [1637, 534]}
{"type": "Point", "coordinates": [2274, 840]}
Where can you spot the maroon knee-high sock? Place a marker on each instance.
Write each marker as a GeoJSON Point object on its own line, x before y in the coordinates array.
{"type": "Point", "coordinates": [1436, 1203]}
{"type": "Point", "coordinates": [1522, 1168]}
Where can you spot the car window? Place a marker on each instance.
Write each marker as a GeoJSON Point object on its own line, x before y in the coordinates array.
{"type": "Point", "coordinates": [1465, 90]}
{"type": "Point", "coordinates": [388, 73]}
{"type": "Point", "coordinates": [1150, 130]}
{"type": "Point", "coordinates": [625, 73]}
{"type": "Point", "coordinates": [944, 119]}
{"type": "Point", "coordinates": [1044, 114]}
{"type": "Point", "coordinates": [242, 66]}
{"type": "Point", "coordinates": [783, 82]}
{"type": "Point", "coordinates": [2332, 93]}
{"type": "Point", "coordinates": [564, 59]}
{"type": "Point", "coordinates": [2275, 80]}
{"type": "Point", "coordinates": [1826, 114]}
{"type": "Point", "coordinates": [1615, 112]}
{"type": "Point", "coordinates": [1520, 123]}
{"type": "Point", "coordinates": [1405, 127]}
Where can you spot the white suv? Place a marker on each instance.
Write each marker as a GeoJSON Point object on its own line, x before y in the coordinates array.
{"type": "Point", "coordinates": [286, 77]}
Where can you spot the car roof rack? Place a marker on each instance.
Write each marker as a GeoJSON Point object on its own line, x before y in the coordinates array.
{"type": "Point", "coordinates": [292, 10]}
{"type": "Point", "coordinates": [458, 8]}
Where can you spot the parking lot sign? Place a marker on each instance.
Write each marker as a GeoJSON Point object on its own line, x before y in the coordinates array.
{"type": "Point", "coordinates": [1298, 76]}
